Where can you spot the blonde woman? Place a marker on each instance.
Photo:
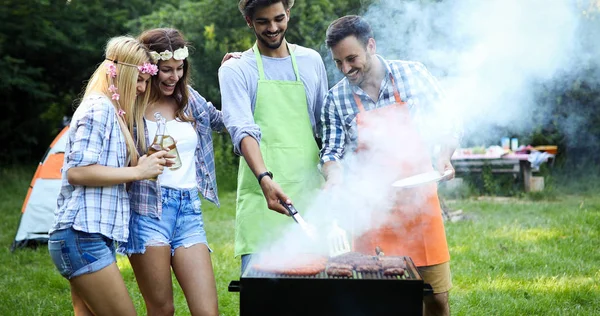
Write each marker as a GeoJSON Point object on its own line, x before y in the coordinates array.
{"type": "Point", "coordinates": [100, 158]}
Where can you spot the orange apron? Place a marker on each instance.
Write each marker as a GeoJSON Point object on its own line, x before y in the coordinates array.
{"type": "Point", "coordinates": [414, 226]}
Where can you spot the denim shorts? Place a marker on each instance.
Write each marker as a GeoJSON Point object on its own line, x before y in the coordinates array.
{"type": "Point", "coordinates": [180, 224]}
{"type": "Point", "coordinates": [75, 252]}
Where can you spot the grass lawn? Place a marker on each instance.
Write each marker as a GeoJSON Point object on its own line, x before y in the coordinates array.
{"type": "Point", "coordinates": [512, 256]}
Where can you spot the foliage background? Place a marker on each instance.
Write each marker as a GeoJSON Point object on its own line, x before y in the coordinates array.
{"type": "Point", "coordinates": [531, 256]}
{"type": "Point", "coordinates": [48, 49]}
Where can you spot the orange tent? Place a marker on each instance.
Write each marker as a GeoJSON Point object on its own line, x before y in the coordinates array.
{"type": "Point", "coordinates": [40, 202]}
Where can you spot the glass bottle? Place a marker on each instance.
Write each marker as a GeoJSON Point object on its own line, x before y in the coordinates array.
{"type": "Point", "coordinates": [156, 145]}
{"type": "Point", "coordinates": [164, 141]}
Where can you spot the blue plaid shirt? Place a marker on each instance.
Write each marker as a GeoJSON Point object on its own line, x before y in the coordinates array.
{"type": "Point", "coordinates": [417, 87]}
{"type": "Point", "coordinates": [145, 194]}
{"type": "Point", "coordinates": [94, 137]}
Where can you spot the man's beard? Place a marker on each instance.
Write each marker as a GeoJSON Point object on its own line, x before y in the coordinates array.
{"type": "Point", "coordinates": [364, 73]}
{"type": "Point", "coordinates": [268, 44]}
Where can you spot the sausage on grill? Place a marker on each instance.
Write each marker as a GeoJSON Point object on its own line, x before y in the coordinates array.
{"type": "Point", "coordinates": [302, 266]}
{"type": "Point", "coordinates": [394, 271]}
{"type": "Point", "coordinates": [391, 262]}
{"type": "Point", "coordinates": [338, 269]}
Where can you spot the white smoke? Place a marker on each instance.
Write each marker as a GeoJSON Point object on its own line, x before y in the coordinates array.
{"type": "Point", "coordinates": [488, 55]}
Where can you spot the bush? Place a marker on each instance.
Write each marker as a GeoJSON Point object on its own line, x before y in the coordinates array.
{"type": "Point", "coordinates": [226, 162]}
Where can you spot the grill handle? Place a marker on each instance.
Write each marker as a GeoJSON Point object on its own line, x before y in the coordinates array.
{"type": "Point", "coordinates": [234, 286]}
{"type": "Point", "coordinates": [427, 289]}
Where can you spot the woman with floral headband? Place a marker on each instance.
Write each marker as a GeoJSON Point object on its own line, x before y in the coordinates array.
{"type": "Point", "coordinates": [93, 207]}
{"type": "Point", "coordinates": [167, 228]}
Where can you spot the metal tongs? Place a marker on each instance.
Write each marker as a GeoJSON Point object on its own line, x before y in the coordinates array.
{"type": "Point", "coordinates": [309, 230]}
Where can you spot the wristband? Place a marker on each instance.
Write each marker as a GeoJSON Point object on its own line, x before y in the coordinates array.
{"type": "Point", "coordinates": [264, 174]}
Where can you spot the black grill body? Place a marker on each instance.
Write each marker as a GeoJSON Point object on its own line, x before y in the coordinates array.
{"type": "Point", "coordinates": [368, 294]}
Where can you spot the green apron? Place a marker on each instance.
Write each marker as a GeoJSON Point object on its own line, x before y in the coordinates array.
{"type": "Point", "coordinates": [289, 151]}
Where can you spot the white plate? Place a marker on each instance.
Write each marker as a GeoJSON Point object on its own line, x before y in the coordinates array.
{"type": "Point", "coordinates": [420, 179]}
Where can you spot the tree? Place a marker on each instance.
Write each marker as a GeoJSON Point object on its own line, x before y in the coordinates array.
{"type": "Point", "coordinates": [49, 48]}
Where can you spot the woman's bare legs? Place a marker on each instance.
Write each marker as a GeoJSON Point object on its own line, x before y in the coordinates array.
{"type": "Point", "coordinates": [79, 306]}
{"type": "Point", "coordinates": [153, 274]}
{"type": "Point", "coordinates": [194, 272]}
{"type": "Point", "coordinates": [101, 293]}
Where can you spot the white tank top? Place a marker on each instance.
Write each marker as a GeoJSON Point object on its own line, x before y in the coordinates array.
{"type": "Point", "coordinates": [186, 138]}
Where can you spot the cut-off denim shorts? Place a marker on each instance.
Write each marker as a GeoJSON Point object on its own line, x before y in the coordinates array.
{"type": "Point", "coordinates": [75, 252]}
{"type": "Point", "coordinates": [180, 224]}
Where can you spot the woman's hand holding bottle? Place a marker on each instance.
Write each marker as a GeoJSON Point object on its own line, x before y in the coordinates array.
{"type": "Point", "coordinates": [151, 166]}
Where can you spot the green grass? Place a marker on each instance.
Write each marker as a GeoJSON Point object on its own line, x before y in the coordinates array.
{"type": "Point", "coordinates": [532, 255]}
{"type": "Point", "coordinates": [523, 257]}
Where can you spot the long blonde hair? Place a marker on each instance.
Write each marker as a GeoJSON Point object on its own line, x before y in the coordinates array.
{"type": "Point", "coordinates": [128, 50]}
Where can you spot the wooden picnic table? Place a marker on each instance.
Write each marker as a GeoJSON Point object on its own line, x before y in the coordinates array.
{"type": "Point", "coordinates": [500, 163]}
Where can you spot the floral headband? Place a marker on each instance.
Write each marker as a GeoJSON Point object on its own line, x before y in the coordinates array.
{"type": "Point", "coordinates": [146, 68]}
{"type": "Point", "coordinates": [179, 54]}
{"type": "Point", "coordinates": [111, 71]}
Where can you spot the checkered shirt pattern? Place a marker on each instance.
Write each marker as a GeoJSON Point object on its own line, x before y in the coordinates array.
{"type": "Point", "coordinates": [94, 137]}
{"type": "Point", "coordinates": [416, 86]}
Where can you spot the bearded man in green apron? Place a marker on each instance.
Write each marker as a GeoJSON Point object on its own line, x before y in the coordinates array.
{"type": "Point", "coordinates": [389, 111]}
{"type": "Point", "coordinates": [271, 99]}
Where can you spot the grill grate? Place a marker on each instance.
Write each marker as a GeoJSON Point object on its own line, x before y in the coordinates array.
{"type": "Point", "coordinates": [323, 275]}
{"type": "Point", "coordinates": [410, 273]}
{"type": "Point", "coordinates": [363, 293]}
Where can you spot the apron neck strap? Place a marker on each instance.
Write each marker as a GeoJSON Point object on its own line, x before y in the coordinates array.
{"type": "Point", "coordinates": [396, 93]}
{"type": "Point", "coordinates": [360, 106]}
{"type": "Point", "coordinates": [259, 63]}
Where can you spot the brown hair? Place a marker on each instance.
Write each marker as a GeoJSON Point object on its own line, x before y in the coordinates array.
{"type": "Point", "coordinates": [349, 25]}
{"type": "Point", "coordinates": [248, 7]}
{"type": "Point", "coordinates": [159, 40]}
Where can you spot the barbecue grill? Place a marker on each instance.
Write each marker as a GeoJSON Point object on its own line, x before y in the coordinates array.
{"type": "Point", "coordinates": [371, 294]}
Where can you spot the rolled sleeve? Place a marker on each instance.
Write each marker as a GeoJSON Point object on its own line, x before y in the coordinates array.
{"type": "Point", "coordinates": [333, 132]}
{"type": "Point", "coordinates": [237, 134]}
{"type": "Point", "coordinates": [237, 108]}
{"type": "Point", "coordinates": [90, 136]}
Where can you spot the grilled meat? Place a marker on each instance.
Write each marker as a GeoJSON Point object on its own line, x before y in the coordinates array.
{"type": "Point", "coordinates": [353, 258]}
{"type": "Point", "coordinates": [368, 267]}
{"type": "Point", "coordinates": [391, 262]}
{"type": "Point", "coordinates": [302, 266]}
{"type": "Point", "coordinates": [342, 265]}
{"type": "Point", "coordinates": [338, 269]}
{"type": "Point", "coordinates": [394, 271]}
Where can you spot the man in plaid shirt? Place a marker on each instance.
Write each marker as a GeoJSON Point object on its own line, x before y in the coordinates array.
{"type": "Point", "coordinates": [392, 111]}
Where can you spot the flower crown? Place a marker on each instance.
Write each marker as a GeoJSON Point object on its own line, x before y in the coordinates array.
{"type": "Point", "coordinates": [111, 71]}
{"type": "Point", "coordinates": [148, 68]}
{"type": "Point", "coordinates": [179, 54]}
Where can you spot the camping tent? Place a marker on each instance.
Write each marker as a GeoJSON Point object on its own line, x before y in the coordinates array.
{"type": "Point", "coordinates": [40, 202]}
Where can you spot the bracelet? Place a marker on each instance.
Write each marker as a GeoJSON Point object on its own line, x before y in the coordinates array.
{"type": "Point", "coordinates": [264, 174]}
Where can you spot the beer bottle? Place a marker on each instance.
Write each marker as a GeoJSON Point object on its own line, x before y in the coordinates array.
{"type": "Point", "coordinates": [157, 143]}
{"type": "Point", "coordinates": [167, 141]}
